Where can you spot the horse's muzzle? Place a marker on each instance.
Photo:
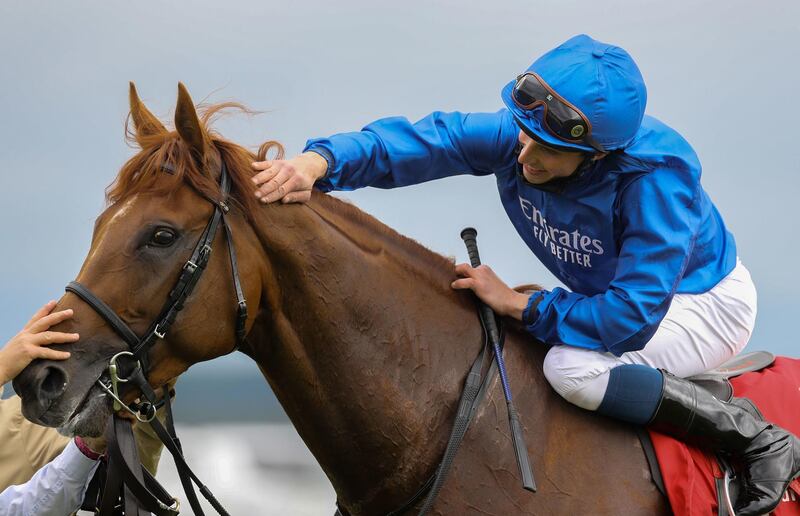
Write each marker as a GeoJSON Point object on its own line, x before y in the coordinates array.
{"type": "Point", "coordinates": [40, 386]}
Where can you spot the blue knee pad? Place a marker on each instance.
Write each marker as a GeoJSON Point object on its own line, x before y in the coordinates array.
{"type": "Point", "coordinates": [633, 393]}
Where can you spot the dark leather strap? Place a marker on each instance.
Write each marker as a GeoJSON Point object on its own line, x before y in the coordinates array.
{"type": "Point", "coordinates": [172, 445]}
{"type": "Point", "coordinates": [183, 473]}
{"type": "Point", "coordinates": [105, 311]}
{"type": "Point", "coordinates": [440, 473]}
{"type": "Point", "coordinates": [241, 305]}
{"type": "Point", "coordinates": [463, 418]}
{"type": "Point", "coordinates": [139, 499]}
{"type": "Point", "coordinates": [142, 495]}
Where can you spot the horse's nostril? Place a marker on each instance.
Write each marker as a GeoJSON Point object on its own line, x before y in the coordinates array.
{"type": "Point", "coordinates": [54, 382]}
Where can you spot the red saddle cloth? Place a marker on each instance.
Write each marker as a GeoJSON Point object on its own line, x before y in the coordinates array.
{"type": "Point", "coordinates": [689, 473]}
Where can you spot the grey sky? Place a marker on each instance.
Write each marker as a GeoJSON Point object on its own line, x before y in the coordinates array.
{"type": "Point", "coordinates": [724, 74]}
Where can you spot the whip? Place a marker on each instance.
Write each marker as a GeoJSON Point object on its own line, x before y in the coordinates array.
{"type": "Point", "coordinates": [487, 314]}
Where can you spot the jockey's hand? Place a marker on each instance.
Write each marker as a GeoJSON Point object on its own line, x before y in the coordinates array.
{"type": "Point", "coordinates": [491, 290]}
{"type": "Point", "coordinates": [31, 342]}
{"type": "Point", "coordinates": [288, 180]}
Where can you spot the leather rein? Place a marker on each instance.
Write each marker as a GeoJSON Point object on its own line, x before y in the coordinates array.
{"type": "Point", "coordinates": [127, 483]}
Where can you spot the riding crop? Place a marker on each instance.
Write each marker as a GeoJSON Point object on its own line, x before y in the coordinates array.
{"type": "Point", "coordinates": [487, 314]}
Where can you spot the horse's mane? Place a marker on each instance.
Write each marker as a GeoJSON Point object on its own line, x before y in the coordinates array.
{"type": "Point", "coordinates": [413, 250]}
{"type": "Point", "coordinates": [165, 163]}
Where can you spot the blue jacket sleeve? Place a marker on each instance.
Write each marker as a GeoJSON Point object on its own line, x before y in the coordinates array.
{"type": "Point", "coordinates": [393, 152]}
{"type": "Point", "coordinates": [659, 217]}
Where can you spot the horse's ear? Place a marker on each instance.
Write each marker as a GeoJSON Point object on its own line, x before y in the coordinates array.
{"type": "Point", "coordinates": [188, 125]}
{"type": "Point", "coordinates": [145, 123]}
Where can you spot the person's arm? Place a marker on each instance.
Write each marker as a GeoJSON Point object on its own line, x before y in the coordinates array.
{"type": "Point", "coordinates": [393, 152]}
{"type": "Point", "coordinates": [31, 342]}
{"type": "Point", "coordinates": [56, 489]}
{"type": "Point", "coordinates": [660, 215]}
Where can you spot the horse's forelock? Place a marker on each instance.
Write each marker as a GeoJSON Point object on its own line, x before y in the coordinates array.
{"type": "Point", "coordinates": [165, 163]}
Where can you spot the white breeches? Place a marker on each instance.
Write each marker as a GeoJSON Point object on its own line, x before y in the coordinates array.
{"type": "Point", "coordinates": [699, 332]}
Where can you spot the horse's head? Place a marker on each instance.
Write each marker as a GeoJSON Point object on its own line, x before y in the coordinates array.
{"type": "Point", "coordinates": [159, 207]}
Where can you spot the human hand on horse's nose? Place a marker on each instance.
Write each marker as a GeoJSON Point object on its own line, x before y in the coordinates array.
{"type": "Point", "coordinates": [29, 344]}
{"type": "Point", "coordinates": [491, 290]}
{"type": "Point", "coordinates": [288, 180]}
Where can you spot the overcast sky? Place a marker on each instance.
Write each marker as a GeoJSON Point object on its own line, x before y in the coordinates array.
{"type": "Point", "coordinates": [723, 73]}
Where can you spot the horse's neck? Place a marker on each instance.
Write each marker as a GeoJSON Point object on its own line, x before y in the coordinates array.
{"type": "Point", "coordinates": [362, 348]}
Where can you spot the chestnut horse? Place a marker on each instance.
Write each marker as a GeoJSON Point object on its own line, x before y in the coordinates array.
{"type": "Point", "coordinates": [355, 328]}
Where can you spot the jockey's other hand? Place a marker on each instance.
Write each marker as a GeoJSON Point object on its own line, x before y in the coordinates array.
{"type": "Point", "coordinates": [491, 290]}
{"type": "Point", "coordinates": [288, 180]}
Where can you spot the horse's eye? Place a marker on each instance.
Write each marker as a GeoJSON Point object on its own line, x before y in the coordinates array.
{"type": "Point", "coordinates": [162, 238]}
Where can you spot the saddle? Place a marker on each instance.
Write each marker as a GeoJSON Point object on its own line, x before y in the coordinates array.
{"type": "Point", "coordinates": [717, 381]}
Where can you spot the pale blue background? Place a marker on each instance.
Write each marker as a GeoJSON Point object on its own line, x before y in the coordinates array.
{"type": "Point", "coordinates": [725, 74]}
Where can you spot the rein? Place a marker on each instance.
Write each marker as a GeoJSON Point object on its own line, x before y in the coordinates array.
{"type": "Point", "coordinates": [127, 484]}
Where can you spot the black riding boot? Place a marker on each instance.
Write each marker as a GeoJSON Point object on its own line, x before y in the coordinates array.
{"type": "Point", "coordinates": [770, 455]}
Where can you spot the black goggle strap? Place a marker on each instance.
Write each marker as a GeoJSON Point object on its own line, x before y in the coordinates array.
{"type": "Point", "coordinates": [563, 148]}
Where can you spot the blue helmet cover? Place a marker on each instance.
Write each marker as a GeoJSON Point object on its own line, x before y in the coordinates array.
{"type": "Point", "coordinates": [599, 79]}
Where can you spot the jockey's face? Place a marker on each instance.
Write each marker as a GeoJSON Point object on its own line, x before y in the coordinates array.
{"type": "Point", "coordinates": [541, 163]}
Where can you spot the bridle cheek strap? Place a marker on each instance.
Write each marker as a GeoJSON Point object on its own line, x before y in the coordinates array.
{"type": "Point", "coordinates": [241, 303]}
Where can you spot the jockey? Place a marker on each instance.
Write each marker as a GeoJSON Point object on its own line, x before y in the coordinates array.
{"type": "Point", "coordinates": [609, 199]}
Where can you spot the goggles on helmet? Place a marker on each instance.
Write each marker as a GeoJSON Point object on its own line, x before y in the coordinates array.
{"type": "Point", "coordinates": [561, 118]}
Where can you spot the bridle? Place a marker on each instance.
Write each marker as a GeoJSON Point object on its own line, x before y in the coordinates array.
{"type": "Point", "coordinates": [159, 501]}
{"type": "Point", "coordinates": [190, 274]}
